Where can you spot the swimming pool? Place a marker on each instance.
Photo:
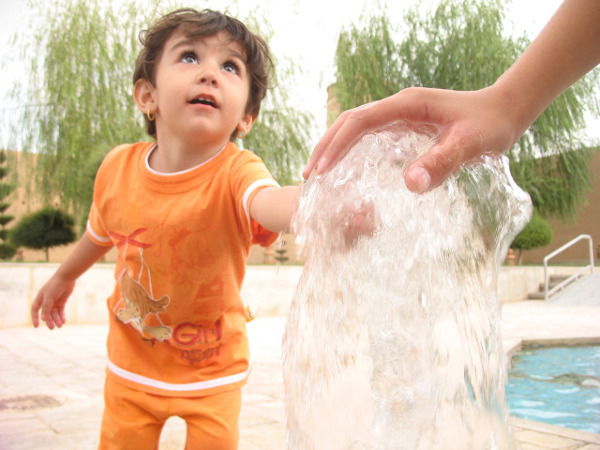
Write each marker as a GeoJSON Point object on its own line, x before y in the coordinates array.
{"type": "Point", "coordinates": [557, 385]}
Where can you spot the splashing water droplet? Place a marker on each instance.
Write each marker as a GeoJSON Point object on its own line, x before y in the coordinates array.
{"type": "Point", "coordinates": [393, 338]}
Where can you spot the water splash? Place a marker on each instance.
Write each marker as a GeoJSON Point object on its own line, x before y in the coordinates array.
{"type": "Point", "coordinates": [393, 338]}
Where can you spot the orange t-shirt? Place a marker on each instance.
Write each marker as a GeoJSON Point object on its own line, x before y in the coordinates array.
{"type": "Point", "coordinates": [177, 324]}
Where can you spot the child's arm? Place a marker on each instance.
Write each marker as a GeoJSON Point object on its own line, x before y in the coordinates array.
{"type": "Point", "coordinates": [273, 207]}
{"type": "Point", "coordinates": [53, 295]}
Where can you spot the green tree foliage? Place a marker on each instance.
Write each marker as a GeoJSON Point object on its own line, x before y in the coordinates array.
{"type": "Point", "coordinates": [461, 45]}
{"type": "Point", "coordinates": [458, 46]}
{"type": "Point", "coordinates": [46, 228]}
{"type": "Point", "coordinates": [537, 233]}
{"type": "Point", "coordinates": [81, 54]}
{"type": "Point", "coordinates": [7, 248]}
{"type": "Point", "coordinates": [558, 183]}
{"type": "Point", "coordinates": [280, 137]}
{"type": "Point", "coordinates": [367, 63]}
{"type": "Point", "coordinates": [79, 96]}
{"type": "Point", "coordinates": [281, 134]}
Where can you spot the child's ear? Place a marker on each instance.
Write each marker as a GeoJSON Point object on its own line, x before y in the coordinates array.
{"type": "Point", "coordinates": [143, 94]}
{"type": "Point", "coordinates": [246, 122]}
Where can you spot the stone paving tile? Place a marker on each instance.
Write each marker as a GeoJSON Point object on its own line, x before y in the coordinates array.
{"type": "Point", "coordinates": [22, 425]}
{"type": "Point", "coordinates": [35, 441]}
{"type": "Point", "coordinates": [173, 434]}
{"type": "Point", "coordinates": [540, 434]}
{"type": "Point", "coordinates": [263, 437]}
{"type": "Point", "coordinates": [530, 447]}
{"type": "Point", "coordinates": [544, 440]}
{"type": "Point", "coordinates": [68, 365]}
{"type": "Point", "coordinates": [537, 320]}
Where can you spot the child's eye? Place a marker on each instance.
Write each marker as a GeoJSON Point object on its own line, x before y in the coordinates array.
{"type": "Point", "coordinates": [189, 57]}
{"type": "Point", "coordinates": [232, 67]}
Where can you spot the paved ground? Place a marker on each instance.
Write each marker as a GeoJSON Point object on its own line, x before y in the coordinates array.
{"type": "Point", "coordinates": [51, 381]}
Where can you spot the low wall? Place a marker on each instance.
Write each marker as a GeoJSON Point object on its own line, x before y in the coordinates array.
{"type": "Point", "coordinates": [267, 289]}
{"type": "Point", "coordinates": [516, 282]}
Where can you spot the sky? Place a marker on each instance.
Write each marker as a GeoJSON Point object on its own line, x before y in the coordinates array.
{"type": "Point", "coordinates": [305, 31]}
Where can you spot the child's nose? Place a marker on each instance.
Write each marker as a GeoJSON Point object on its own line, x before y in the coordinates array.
{"type": "Point", "coordinates": [208, 74]}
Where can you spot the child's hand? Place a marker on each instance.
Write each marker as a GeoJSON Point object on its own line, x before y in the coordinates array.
{"type": "Point", "coordinates": [359, 221]}
{"type": "Point", "coordinates": [51, 299]}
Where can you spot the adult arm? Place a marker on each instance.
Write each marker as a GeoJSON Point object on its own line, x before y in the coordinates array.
{"type": "Point", "coordinates": [489, 120]}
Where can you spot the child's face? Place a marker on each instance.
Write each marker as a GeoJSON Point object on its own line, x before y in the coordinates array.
{"type": "Point", "coordinates": [201, 90]}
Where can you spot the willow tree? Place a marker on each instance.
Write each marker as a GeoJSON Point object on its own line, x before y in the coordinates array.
{"type": "Point", "coordinates": [367, 63]}
{"type": "Point", "coordinates": [461, 45]}
{"type": "Point", "coordinates": [79, 96]}
{"type": "Point", "coordinates": [281, 134]}
{"type": "Point", "coordinates": [7, 248]}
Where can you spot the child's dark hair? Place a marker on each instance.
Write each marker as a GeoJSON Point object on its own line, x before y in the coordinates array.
{"type": "Point", "coordinates": [194, 24]}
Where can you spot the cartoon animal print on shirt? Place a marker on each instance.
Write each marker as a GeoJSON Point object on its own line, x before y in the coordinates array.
{"type": "Point", "coordinates": [138, 305]}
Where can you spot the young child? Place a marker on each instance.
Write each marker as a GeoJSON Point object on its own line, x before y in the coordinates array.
{"type": "Point", "coordinates": [183, 212]}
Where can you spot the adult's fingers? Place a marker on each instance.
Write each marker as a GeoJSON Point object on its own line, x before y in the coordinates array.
{"type": "Point", "coordinates": [456, 148]}
{"type": "Point", "coordinates": [413, 105]}
{"type": "Point", "coordinates": [344, 132]}
{"type": "Point", "coordinates": [322, 146]}
{"type": "Point", "coordinates": [431, 169]}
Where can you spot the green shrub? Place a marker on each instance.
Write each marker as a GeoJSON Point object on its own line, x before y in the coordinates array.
{"type": "Point", "coordinates": [5, 219]}
{"type": "Point", "coordinates": [7, 250]}
{"type": "Point", "coordinates": [48, 227]}
{"type": "Point", "coordinates": [537, 233]}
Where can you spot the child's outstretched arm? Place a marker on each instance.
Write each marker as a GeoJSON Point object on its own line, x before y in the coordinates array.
{"type": "Point", "coordinates": [53, 295]}
{"type": "Point", "coordinates": [273, 207]}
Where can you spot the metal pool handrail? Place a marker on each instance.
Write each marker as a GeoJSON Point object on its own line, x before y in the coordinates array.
{"type": "Point", "coordinates": [575, 275]}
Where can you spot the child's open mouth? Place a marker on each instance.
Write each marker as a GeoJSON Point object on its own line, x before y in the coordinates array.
{"type": "Point", "coordinates": [204, 100]}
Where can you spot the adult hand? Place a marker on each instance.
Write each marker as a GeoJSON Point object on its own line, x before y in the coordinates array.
{"type": "Point", "coordinates": [468, 124]}
{"type": "Point", "coordinates": [475, 122]}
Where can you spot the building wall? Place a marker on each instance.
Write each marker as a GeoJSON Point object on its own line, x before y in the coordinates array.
{"type": "Point", "coordinates": [587, 222]}
{"type": "Point", "coordinates": [24, 202]}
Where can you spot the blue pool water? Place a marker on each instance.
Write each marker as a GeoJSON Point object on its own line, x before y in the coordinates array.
{"type": "Point", "coordinates": [556, 385]}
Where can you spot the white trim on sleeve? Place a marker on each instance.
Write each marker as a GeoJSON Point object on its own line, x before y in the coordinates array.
{"type": "Point", "coordinates": [253, 187]}
{"type": "Point", "coordinates": [104, 240]}
{"type": "Point", "coordinates": [177, 387]}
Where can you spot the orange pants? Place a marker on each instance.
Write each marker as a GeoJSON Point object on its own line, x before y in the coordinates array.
{"type": "Point", "coordinates": [134, 419]}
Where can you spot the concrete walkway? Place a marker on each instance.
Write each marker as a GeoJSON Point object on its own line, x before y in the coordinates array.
{"type": "Point", "coordinates": [51, 382]}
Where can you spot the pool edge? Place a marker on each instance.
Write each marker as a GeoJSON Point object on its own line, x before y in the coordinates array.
{"type": "Point", "coordinates": [538, 433]}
